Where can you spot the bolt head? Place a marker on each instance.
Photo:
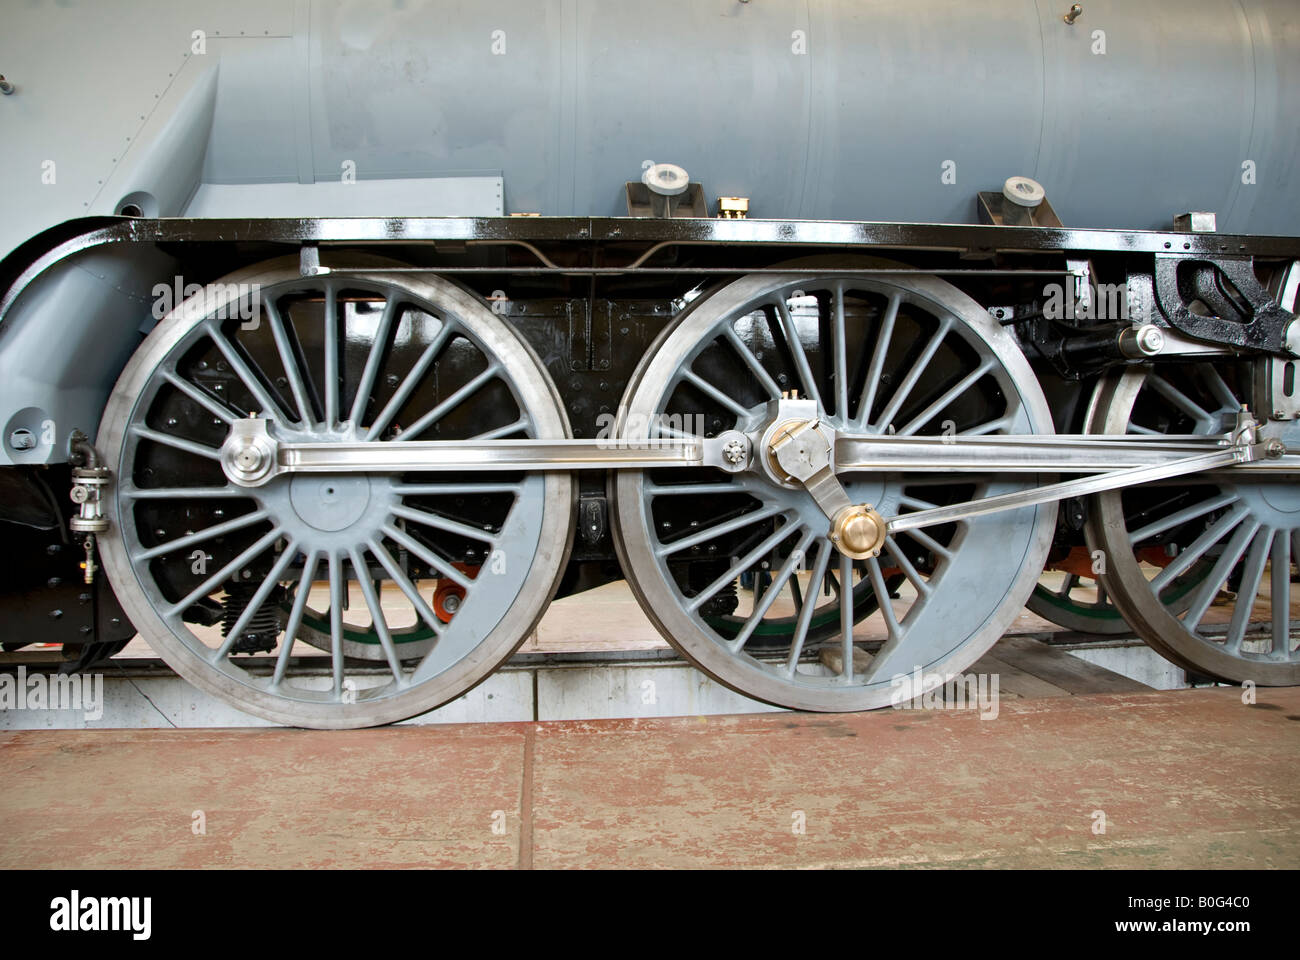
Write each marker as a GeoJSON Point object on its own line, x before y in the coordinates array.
{"type": "Point", "coordinates": [1293, 337]}
{"type": "Point", "coordinates": [1151, 340]}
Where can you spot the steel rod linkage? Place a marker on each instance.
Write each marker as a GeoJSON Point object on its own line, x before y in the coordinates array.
{"type": "Point", "coordinates": [251, 457]}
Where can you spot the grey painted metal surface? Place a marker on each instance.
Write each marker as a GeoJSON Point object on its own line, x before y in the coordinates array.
{"type": "Point", "coordinates": [603, 688]}
{"type": "Point", "coordinates": [829, 109]}
{"type": "Point", "coordinates": [424, 197]}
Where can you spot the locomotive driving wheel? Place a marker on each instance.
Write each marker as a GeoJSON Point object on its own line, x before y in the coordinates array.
{"type": "Point", "coordinates": [417, 586]}
{"type": "Point", "coordinates": [1228, 545]}
{"type": "Point", "coordinates": [865, 354]}
{"type": "Point", "coordinates": [1076, 601]}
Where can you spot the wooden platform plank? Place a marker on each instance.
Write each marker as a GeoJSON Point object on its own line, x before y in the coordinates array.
{"type": "Point", "coordinates": [1062, 670]}
{"type": "Point", "coordinates": [1014, 682]}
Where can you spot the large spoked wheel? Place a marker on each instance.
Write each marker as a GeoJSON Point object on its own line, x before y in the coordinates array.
{"type": "Point", "coordinates": [1076, 601]}
{"type": "Point", "coordinates": [876, 354]}
{"type": "Point", "coordinates": [1227, 545]}
{"type": "Point", "coordinates": [418, 586]}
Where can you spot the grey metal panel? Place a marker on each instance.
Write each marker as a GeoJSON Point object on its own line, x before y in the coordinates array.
{"type": "Point", "coordinates": [585, 92]}
{"type": "Point", "coordinates": [1275, 134]}
{"type": "Point", "coordinates": [1157, 125]}
{"type": "Point", "coordinates": [425, 197]}
{"type": "Point", "coordinates": [64, 342]}
{"type": "Point", "coordinates": [160, 171]}
{"type": "Point", "coordinates": [902, 88]}
{"type": "Point", "coordinates": [252, 138]}
{"type": "Point", "coordinates": [712, 85]}
{"type": "Point", "coordinates": [416, 91]}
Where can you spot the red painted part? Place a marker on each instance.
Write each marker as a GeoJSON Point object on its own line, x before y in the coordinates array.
{"type": "Point", "coordinates": [448, 588]}
{"type": "Point", "coordinates": [1079, 561]}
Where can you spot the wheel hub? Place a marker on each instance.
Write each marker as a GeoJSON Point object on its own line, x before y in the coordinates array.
{"type": "Point", "coordinates": [859, 532]}
{"type": "Point", "coordinates": [329, 503]}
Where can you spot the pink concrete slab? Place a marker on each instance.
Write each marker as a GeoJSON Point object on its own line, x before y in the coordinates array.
{"type": "Point", "coordinates": [1184, 778]}
{"type": "Point", "coordinates": [287, 798]}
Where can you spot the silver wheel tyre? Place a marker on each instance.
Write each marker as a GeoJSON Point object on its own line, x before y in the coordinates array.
{"type": "Point", "coordinates": [1025, 534]}
{"type": "Point", "coordinates": [540, 519]}
{"type": "Point", "coordinates": [1160, 627]}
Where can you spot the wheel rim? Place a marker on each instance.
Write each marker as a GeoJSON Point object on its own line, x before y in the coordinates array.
{"type": "Point", "coordinates": [912, 353]}
{"type": "Point", "coordinates": [1077, 603]}
{"type": "Point", "coordinates": [1243, 534]}
{"type": "Point", "coordinates": [366, 357]}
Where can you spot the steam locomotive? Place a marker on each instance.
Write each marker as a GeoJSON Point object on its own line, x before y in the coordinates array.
{"type": "Point", "coordinates": [339, 337]}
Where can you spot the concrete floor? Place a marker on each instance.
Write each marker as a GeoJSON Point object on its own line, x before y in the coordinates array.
{"type": "Point", "coordinates": [1183, 778]}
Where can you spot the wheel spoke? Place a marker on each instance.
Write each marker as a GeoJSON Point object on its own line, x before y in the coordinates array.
{"type": "Point", "coordinates": [1144, 431]}
{"type": "Point", "coordinates": [751, 361]}
{"type": "Point", "coordinates": [992, 426]}
{"type": "Point", "coordinates": [176, 443]}
{"type": "Point", "coordinates": [295, 617]}
{"type": "Point", "coordinates": [892, 646]}
{"type": "Point", "coordinates": [199, 396]}
{"type": "Point", "coordinates": [931, 544]}
{"type": "Point", "coordinates": [1197, 548]}
{"type": "Point", "coordinates": [289, 360]}
{"type": "Point", "coordinates": [1101, 594]}
{"type": "Point", "coordinates": [444, 568]}
{"type": "Point", "coordinates": [769, 543]}
{"type": "Point", "coordinates": [949, 395]}
{"type": "Point", "coordinates": [1280, 593]}
{"type": "Point", "coordinates": [1227, 399]}
{"type": "Point", "coordinates": [207, 533]}
{"type": "Point", "coordinates": [252, 383]}
{"type": "Point", "coordinates": [225, 573]}
{"type": "Point", "coordinates": [709, 390]}
{"type": "Point", "coordinates": [909, 570]}
{"type": "Point", "coordinates": [256, 602]}
{"type": "Point", "coordinates": [916, 503]}
{"type": "Point", "coordinates": [1252, 574]}
{"type": "Point", "coordinates": [338, 585]}
{"type": "Point", "coordinates": [410, 381]}
{"type": "Point", "coordinates": [1210, 588]}
{"type": "Point", "coordinates": [839, 346]}
{"type": "Point", "coordinates": [229, 491]}
{"type": "Point", "coordinates": [846, 618]}
{"type": "Point", "coordinates": [446, 526]}
{"type": "Point", "coordinates": [786, 321]}
{"type": "Point", "coordinates": [883, 340]}
{"type": "Point", "coordinates": [773, 591]}
{"type": "Point", "coordinates": [691, 489]}
{"type": "Point", "coordinates": [806, 610]}
{"type": "Point", "coordinates": [366, 385]}
{"type": "Point", "coordinates": [1178, 518]}
{"type": "Point", "coordinates": [520, 424]}
{"type": "Point", "coordinates": [377, 615]}
{"type": "Point", "coordinates": [331, 355]}
{"type": "Point", "coordinates": [716, 530]}
{"type": "Point", "coordinates": [422, 609]}
{"type": "Point", "coordinates": [905, 388]}
{"type": "Point", "coordinates": [451, 403]}
{"type": "Point", "coordinates": [1183, 402]}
